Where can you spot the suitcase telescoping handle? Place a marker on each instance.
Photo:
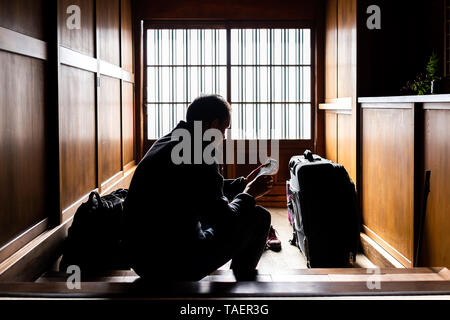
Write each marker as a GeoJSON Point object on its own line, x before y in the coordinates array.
{"type": "Point", "coordinates": [308, 155]}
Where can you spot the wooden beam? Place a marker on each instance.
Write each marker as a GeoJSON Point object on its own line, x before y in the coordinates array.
{"type": "Point", "coordinates": [15, 244]}
{"type": "Point", "coordinates": [19, 43]}
{"type": "Point", "coordinates": [33, 259]}
{"type": "Point", "coordinates": [78, 60]}
{"type": "Point", "coordinates": [387, 105]}
{"type": "Point", "coordinates": [377, 254]}
{"type": "Point", "coordinates": [109, 69]}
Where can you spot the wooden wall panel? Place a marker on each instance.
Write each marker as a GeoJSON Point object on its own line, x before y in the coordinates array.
{"type": "Point", "coordinates": [346, 54]}
{"type": "Point", "coordinates": [388, 179]}
{"type": "Point", "coordinates": [23, 178]}
{"type": "Point", "coordinates": [83, 39]}
{"type": "Point", "coordinates": [277, 196]}
{"type": "Point", "coordinates": [331, 47]}
{"type": "Point", "coordinates": [340, 83]}
{"type": "Point", "coordinates": [32, 121]}
{"type": "Point", "coordinates": [25, 16]}
{"type": "Point", "coordinates": [128, 122]}
{"type": "Point", "coordinates": [127, 36]}
{"type": "Point", "coordinates": [108, 30]}
{"type": "Point", "coordinates": [331, 136]}
{"type": "Point", "coordinates": [109, 122]}
{"type": "Point", "coordinates": [77, 133]}
{"type": "Point", "coordinates": [436, 240]}
{"type": "Point", "coordinates": [345, 151]}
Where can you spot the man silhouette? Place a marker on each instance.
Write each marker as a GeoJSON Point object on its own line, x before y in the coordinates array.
{"type": "Point", "coordinates": [184, 221]}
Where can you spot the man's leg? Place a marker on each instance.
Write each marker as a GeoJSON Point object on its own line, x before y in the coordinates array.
{"type": "Point", "coordinates": [241, 241]}
{"type": "Point", "coordinates": [246, 259]}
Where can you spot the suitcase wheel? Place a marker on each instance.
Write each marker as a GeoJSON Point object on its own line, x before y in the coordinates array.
{"type": "Point", "coordinates": [293, 241]}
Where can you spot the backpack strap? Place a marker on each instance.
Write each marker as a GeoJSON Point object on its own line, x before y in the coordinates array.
{"type": "Point", "coordinates": [94, 194]}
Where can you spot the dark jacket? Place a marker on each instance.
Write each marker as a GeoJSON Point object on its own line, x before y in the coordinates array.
{"type": "Point", "coordinates": [173, 207]}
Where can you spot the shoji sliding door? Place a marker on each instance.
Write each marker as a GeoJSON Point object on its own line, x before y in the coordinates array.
{"type": "Point", "coordinates": [264, 70]}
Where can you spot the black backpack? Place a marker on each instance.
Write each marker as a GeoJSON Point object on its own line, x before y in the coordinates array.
{"type": "Point", "coordinates": [94, 241]}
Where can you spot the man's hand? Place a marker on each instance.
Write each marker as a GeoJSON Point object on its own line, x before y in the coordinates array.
{"type": "Point", "coordinates": [260, 186]}
{"type": "Point", "coordinates": [252, 174]}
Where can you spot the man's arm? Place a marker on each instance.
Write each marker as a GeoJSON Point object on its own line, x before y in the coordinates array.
{"type": "Point", "coordinates": [213, 206]}
{"type": "Point", "coordinates": [232, 187]}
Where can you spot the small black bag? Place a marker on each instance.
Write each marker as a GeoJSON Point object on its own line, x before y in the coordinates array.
{"type": "Point", "coordinates": [94, 241]}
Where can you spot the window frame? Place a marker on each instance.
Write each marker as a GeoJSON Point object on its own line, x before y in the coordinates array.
{"type": "Point", "coordinates": [228, 25]}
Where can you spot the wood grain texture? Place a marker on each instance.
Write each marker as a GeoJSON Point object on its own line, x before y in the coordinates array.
{"type": "Point", "coordinates": [377, 255]}
{"type": "Point", "coordinates": [127, 36]}
{"type": "Point", "coordinates": [345, 149]}
{"type": "Point", "coordinates": [36, 256]}
{"type": "Point", "coordinates": [436, 240]}
{"type": "Point", "coordinates": [340, 83]}
{"type": "Point", "coordinates": [430, 101]}
{"type": "Point", "coordinates": [331, 136]}
{"type": "Point", "coordinates": [72, 58]}
{"type": "Point", "coordinates": [391, 286]}
{"type": "Point", "coordinates": [19, 43]}
{"type": "Point", "coordinates": [233, 10]}
{"type": "Point", "coordinates": [108, 30]}
{"type": "Point", "coordinates": [23, 171]}
{"type": "Point", "coordinates": [83, 39]}
{"type": "Point", "coordinates": [77, 134]}
{"type": "Point", "coordinates": [109, 69]}
{"type": "Point", "coordinates": [25, 16]}
{"type": "Point", "coordinates": [346, 55]}
{"type": "Point", "coordinates": [109, 127]}
{"type": "Point", "coordinates": [388, 178]}
{"type": "Point", "coordinates": [128, 122]}
{"type": "Point", "coordinates": [18, 242]}
{"type": "Point", "coordinates": [347, 73]}
{"type": "Point", "coordinates": [331, 47]}
{"type": "Point", "coordinates": [287, 148]}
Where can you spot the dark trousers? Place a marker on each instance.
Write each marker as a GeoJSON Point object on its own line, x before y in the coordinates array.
{"type": "Point", "coordinates": [242, 241]}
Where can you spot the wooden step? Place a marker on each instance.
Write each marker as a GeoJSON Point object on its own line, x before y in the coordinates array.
{"type": "Point", "coordinates": [107, 276]}
{"type": "Point", "coordinates": [208, 289]}
{"type": "Point", "coordinates": [220, 284]}
{"type": "Point", "coordinates": [290, 275]}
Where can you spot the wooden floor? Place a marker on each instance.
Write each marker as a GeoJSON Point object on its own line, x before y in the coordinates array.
{"type": "Point", "coordinates": [289, 257]}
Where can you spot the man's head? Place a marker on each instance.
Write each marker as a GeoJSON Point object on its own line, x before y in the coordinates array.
{"type": "Point", "coordinates": [212, 110]}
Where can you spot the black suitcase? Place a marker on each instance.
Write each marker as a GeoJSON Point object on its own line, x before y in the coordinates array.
{"type": "Point", "coordinates": [325, 216]}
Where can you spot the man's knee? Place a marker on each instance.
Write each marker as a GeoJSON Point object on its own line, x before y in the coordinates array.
{"type": "Point", "coordinates": [264, 217]}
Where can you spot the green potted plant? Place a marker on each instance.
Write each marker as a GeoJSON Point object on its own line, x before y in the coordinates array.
{"type": "Point", "coordinates": [425, 82]}
{"type": "Point", "coordinates": [432, 69]}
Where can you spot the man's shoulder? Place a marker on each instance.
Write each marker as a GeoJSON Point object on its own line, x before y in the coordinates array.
{"type": "Point", "coordinates": [160, 147]}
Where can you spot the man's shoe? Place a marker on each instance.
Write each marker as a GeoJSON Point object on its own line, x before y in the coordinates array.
{"type": "Point", "coordinates": [273, 243]}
